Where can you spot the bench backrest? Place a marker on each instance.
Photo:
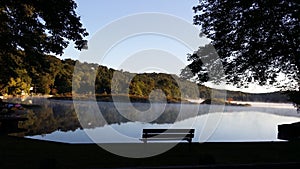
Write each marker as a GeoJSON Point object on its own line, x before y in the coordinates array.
{"type": "Point", "coordinates": [168, 134]}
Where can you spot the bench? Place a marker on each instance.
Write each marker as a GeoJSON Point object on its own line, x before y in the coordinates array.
{"type": "Point", "coordinates": [167, 134]}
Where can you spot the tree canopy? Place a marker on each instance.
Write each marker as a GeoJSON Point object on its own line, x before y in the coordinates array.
{"type": "Point", "coordinates": [39, 27]}
{"type": "Point", "coordinates": [254, 39]}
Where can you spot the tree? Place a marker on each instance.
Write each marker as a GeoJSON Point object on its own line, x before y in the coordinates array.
{"type": "Point", "coordinates": [39, 27]}
{"type": "Point", "coordinates": [255, 39]}
{"type": "Point", "coordinates": [17, 86]}
{"type": "Point", "coordinates": [32, 29]}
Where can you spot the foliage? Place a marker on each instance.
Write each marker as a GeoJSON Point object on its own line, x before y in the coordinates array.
{"type": "Point", "coordinates": [29, 30]}
{"type": "Point", "coordinates": [16, 86]}
{"type": "Point", "coordinates": [255, 40]}
{"type": "Point", "coordinates": [39, 27]}
{"type": "Point", "coordinates": [55, 76]}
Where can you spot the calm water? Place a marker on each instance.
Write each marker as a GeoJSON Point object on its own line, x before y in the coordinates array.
{"type": "Point", "coordinates": [89, 122]}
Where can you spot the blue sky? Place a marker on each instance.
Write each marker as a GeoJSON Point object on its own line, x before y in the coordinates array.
{"type": "Point", "coordinates": [98, 14]}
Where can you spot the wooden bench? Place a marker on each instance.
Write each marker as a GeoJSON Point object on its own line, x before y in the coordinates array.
{"type": "Point", "coordinates": [167, 134]}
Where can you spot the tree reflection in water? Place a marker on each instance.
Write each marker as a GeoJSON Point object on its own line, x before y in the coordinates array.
{"type": "Point", "coordinates": [61, 115]}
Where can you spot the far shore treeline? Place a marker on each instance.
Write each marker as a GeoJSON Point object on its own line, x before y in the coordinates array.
{"type": "Point", "coordinates": [55, 76]}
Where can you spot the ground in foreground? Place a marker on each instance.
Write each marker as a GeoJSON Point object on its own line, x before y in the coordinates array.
{"type": "Point", "coordinates": [26, 153]}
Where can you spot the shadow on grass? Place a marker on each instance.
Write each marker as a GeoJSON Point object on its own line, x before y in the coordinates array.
{"type": "Point", "coordinates": [26, 153]}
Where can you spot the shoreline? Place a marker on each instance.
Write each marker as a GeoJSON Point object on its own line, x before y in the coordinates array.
{"type": "Point", "coordinates": [267, 104]}
{"type": "Point", "coordinates": [120, 98]}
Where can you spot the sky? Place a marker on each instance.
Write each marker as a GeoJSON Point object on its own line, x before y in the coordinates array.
{"type": "Point", "coordinates": [118, 40]}
{"type": "Point", "coordinates": [96, 14]}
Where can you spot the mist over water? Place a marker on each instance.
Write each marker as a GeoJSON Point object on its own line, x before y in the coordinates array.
{"type": "Point", "coordinates": [58, 121]}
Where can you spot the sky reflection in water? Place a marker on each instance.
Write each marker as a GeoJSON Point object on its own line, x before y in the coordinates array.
{"type": "Point", "coordinates": [236, 124]}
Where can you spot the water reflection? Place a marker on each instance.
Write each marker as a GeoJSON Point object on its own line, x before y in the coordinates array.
{"type": "Point", "coordinates": [61, 115]}
{"type": "Point", "coordinates": [238, 126]}
{"type": "Point", "coordinates": [58, 121]}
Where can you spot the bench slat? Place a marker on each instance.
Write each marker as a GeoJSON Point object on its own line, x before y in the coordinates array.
{"type": "Point", "coordinates": [175, 135]}
{"type": "Point", "coordinates": [168, 130]}
{"type": "Point", "coordinates": [164, 139]}
{"type": "Point", "coordinates": [167, 134]}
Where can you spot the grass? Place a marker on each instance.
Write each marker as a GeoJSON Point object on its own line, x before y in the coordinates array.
{"type": "Point", "coordinates": [25, 153]}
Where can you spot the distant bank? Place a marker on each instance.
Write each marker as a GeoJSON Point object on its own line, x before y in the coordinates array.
{"type": "Point", "coordinates": [121, 98]}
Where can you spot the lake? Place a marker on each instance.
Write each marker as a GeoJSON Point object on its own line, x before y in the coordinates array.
{"type": "Point", "coordinates": [106, 122]}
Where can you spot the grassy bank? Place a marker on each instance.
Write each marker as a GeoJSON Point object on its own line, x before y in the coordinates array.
{"type": "Point", "coordinates": [25, 153]}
